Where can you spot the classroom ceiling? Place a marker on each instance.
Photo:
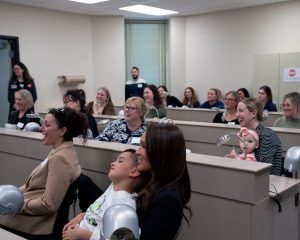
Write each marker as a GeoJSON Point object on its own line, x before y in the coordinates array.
{"type": "Point", "coordinates": [111, 7]}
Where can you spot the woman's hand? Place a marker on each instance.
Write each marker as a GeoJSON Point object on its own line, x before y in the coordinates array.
{"type": "Point", "coordinates": [74, 222]}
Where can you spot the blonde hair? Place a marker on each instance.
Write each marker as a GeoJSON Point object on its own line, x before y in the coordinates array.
{"type": "Point", "coordinates": [140, 104]}
{"type": "Point", "coordinates": [217, 92]}
{"type": "Point", "coordinates": [26, 97]}
{"type": "Point", "coordinates": [252, 105]}
{"type": "Point", "coordinates": [294, 97]}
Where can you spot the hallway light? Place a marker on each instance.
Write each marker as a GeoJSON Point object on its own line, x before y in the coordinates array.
{"type": "Point", "coordinates": [148, 10]}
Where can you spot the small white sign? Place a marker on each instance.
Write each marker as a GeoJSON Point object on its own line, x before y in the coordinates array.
{"type": "Point", "coordinates": [291, 74]}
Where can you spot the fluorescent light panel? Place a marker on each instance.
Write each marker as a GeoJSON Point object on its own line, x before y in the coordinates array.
{"type": "Point", "coordinates": [89, 1]}
{"type": "Point", "coordinates": [148, 10]}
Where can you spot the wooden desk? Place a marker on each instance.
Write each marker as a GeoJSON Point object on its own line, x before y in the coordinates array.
{"type": "Point", "coordinates": [230, 198]}
{"type": "Point", "coordinates": [201, 137]}
{"type": "Point", "coordinates": [5, 235]}
{"type": "Point", "coordinates": [204, 115]}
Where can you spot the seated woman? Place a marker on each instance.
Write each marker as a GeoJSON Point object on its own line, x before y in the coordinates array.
{"type": "Point", "coordinates": [213, 99]}
{"type": "Point", "coordinates": [243, 93]}
{"type": "Point", "coordinates": [168, 100]}
{"type": "Point", "coordinates": [48, 183]}
{"type": "Point", "coordinates": [102, 105]}
{"type": "Point", "coordinates": [154, 102]}
{"type": "Point", "coordinates": [265, 97]}
{"type": "Point", "coordinates": [231, 101]}
{"type": "Point", "coordinates": [24, 105]}
{"type": "Point", "coordinates": [75, 99]}
{"type": "Point", "coordinates": [250, 115]}
{"type": "Point", "coordinates": [190, 98]}
{"type": "Point", "coordinates": [291, 111]}
{"type": "Point", "coordinates": [161, 204]}
{"type": "Point", "coordinates": [129, 129]}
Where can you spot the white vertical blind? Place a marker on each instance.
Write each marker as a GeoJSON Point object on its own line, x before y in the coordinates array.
{"type": "Point", "coordinates": [146, 49]}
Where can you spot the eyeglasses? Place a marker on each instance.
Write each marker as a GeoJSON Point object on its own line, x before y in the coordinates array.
{"type": "Point", "coordinates": [129, 108]}
{"type": "Point", "coordinates": [228, 99]}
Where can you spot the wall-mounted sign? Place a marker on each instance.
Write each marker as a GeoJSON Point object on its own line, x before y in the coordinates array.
{"type": "Point", "coordinates": [291, 74]}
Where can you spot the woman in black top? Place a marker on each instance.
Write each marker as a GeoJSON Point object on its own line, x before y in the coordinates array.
{"type": "Point", "coordinates": [75, 99]}
{"type": "Point", "coordinates": [160, 204]}
{"type": "Point", "coordinates": [20, 79]}
{"type": "Point", "coordinates": [231, 101]}
{"type": "Point", "coordinates": [23, 104]}
{"type": "Point", "coordinates": [167, 99]}
{"type": "Point", "coordinates": [266, 99]}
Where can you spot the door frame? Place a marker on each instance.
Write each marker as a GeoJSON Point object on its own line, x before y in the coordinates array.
{"type": "Point", "coordinates": [14, 46]}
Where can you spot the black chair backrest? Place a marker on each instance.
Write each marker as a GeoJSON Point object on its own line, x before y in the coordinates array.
{"type": "Point", "coordinates": [86, 191]}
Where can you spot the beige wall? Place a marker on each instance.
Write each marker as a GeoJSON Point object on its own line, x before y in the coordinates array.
{"type": "Point", "coordinates": [53, 43]}
{"type": "Point", "coordinates": [210, 50]}
{"type": "Point", "coordinates": [221, 47]}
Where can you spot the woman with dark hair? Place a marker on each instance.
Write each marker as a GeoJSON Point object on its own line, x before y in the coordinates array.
{"type": "Point", "coordinates": [269, 150]}
{"type": "Point", "coordinates": [48, 183]}
{"type": "Point", "coordinates": [154, 102]}
{"type": "Point", "coordinates": [266, 98]}
{"type": "Point", "coordinates": [102, 105]}
{"type": "Point", "coordinates": [243, 93]}
{"type": "Point", "coordinates": [20, 79]}
{"type": "Point", "coordinates": [231, 101]}
{"type": "Point", "coordinates": [168, 100]}
{"type": "Point", "coordinates": [75, 99]}
{"type": "Point", "coordinates": [190, 98]}
{"type": "Point", "coordinates": [161, 203]}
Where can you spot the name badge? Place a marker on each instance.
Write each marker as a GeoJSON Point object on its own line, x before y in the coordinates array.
{"type": "Point", "coordinates": [140, 85]}
{"type": "Point", "coordinates": [14, 86]}
{"type": "Point", "coordinates": [43, 163]}
{"type": "Point", "coordinates": [136, 140]}
{"type": "Point", "coordinates": [20, 125]}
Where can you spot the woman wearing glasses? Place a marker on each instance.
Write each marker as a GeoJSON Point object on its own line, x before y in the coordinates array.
{"type": "Point", "coordinates": [129, 129]}
{"type": "Point", "coordinates": [48, 183]}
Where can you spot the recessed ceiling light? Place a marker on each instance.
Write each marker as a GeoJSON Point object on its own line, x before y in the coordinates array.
{"type": "Point", "coordinates": [89, 1]}
{"type": "Point", "coordinates": [148, 10]}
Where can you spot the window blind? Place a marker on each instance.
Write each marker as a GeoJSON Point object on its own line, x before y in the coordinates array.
{"type": "Point", "coordinates": [146, 49]}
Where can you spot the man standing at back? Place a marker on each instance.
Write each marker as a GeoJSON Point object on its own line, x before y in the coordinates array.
{"type": "Point", "coordinates": [136, 85]}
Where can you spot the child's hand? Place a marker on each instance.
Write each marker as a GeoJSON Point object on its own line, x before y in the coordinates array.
{"type": "Point", "coordinates": [76, 233]}
{"type": "Point", "coordinates": [73, 222]}
{"type": "Point", "coordinates": [232, 154]}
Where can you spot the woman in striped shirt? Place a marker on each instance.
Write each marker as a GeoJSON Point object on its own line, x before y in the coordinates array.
{"type": "Point", "coordinates": [250, 115]}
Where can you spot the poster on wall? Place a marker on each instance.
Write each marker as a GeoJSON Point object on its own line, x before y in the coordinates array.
{"type": "Point", "coordinates": [291, 74]}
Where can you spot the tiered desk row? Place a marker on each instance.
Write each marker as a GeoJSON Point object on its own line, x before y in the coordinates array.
{"type": "Point", "coordinates": [231, 199]}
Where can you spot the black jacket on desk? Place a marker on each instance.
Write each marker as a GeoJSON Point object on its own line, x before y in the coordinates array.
{"type": "Point", "coordinates": [270, 107]}
{"type": "Point", "coordinates": [171, 100]}
{"type": "Point", "coordinates": [163, 218]}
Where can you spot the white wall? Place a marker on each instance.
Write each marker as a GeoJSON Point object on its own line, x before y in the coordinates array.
{"type": "Point", "coordinates": [109, 56]}
{"type": "Point", "coordinates": [221, 47]}
{"type": "Point", "coordinates": [53, 43]}
{"type": "Point", "coordinates": [211, 50]}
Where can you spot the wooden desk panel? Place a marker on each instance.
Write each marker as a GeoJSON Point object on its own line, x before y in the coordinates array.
{"type": "Point", "coordinates": [226, 194]}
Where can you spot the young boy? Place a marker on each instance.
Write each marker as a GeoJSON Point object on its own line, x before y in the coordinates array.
{"type": "Point", "coordinates": [125, 181]}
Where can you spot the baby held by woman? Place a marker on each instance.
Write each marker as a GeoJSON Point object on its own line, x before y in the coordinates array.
{"type": "Point", "coordinates": [249, 141]}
